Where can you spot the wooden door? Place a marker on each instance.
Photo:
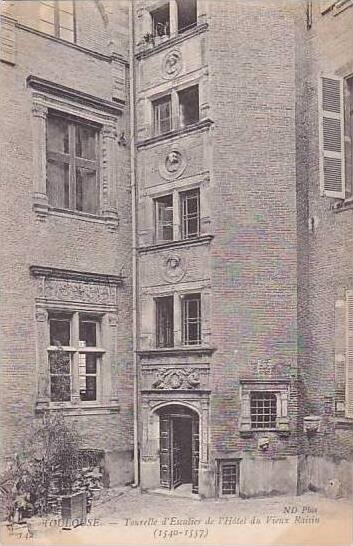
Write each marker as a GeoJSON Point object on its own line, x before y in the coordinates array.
{"type": "Point", "coordinates": [164, 451]}
{"type": "Point", "coordinates": [175, 455]}
{"type": "Point", "coordinates": [195, 454]}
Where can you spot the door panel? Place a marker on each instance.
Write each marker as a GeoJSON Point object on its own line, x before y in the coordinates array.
{"type": "Point", "coordinates": [195, 454]}
{"type": "Point", "coordinates": [164, 448]}
{"type": "Point", "coordinates": [176, 454]}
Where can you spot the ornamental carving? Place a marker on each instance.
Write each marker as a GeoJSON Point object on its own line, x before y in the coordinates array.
{"type": "Point", "coordinates": [172, 64]}
{"type": "Point", "coordinates": [173, 165]}
{"type": "Point", "coordinates": [77, 291]}
{"type": "Point", "coordinates": [174, 268]}
{"type": "Point", "coordinates": [172, 379]}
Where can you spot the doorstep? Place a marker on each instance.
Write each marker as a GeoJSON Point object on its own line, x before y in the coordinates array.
{"type": "Point", "coordinates": [182, 492]}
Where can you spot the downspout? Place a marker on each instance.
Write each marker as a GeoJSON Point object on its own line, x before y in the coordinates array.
{"type": "Point", "coordinates": [134, 236]}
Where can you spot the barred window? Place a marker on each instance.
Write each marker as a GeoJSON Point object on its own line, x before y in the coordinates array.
{"type": "Point", "coordinates": [263, 408]}
{"type": "Point", "coordinates": [229, 478]}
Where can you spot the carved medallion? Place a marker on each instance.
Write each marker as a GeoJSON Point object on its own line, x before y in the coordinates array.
{"type": "Point", "coordinates": [172, 379]}
{"type": "Point", "coordinates": [173, 165]}
{"type": "Point", "coordinates": [172, 64]}
{"type": "Point", "coordinates": [174, 268]}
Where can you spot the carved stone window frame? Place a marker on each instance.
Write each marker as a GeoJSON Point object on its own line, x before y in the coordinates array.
{"type": "Point", "coordinates": [72, 293]}
{"type": "Point", "coordinates": [48, 96]}
{"type": "Point", "coordinates": [277, 387]}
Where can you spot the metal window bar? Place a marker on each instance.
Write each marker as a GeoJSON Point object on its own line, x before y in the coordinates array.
{"type": "Point", "coordinates": [229, 479]}
{"type": "Point", "coordinates": [192, 320]}
{"type": "Point", "coordinates": [263, 410]}
{"type": "Point", "coordinates": [190, 213]}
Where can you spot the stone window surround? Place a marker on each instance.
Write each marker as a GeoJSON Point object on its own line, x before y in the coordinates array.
{"type": "Point", "coordinates": [105, 311]}
{"type": "Point", "coordinates": [277, 387]}
{"type": "Point", "coordinates": [148, 315]}
{"type": "Point", "coordinates": [176, 188]}
{"type": "Point", "coordinates": [146, 99]}
{"type": "Point", "coordinates": [47, 95]}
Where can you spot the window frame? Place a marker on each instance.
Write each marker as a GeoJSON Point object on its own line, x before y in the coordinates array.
{"type": "Point", "coordinates": [257, 418]}
{"type": "Point", "coordinates": [184, 197]}
{"type": "Point", "coordinates": [158, 225]}
{"type": "Point", "coordinates": [280, 388]}
{"type": "Point", "coordinates": [57, 27]}
{"type": "Point", "coordinates": [157, 121]}
{"type": "Point", "coordinates": [172, 97]}
{"type": "Point", "coordinates": [185, 320]}
{"type": "Point", "coordinates": [75, 349]}
{"type": "Point", "coordinates": [221, 464]}
{"type": "Point", "coordinates": [158, 314]}
{"type": "Point", "coordinates": [73, 161]}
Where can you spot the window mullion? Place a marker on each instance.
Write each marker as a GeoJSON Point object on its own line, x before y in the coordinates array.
{"type": "Point", "coordinates": [57, 18]}
{"type": "Point", "coordinates": [75, 333]}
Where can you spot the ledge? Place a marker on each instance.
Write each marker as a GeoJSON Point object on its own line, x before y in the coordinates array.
{"type": "Point", "coordinates": [175, 351]}
{"type": "Point", "coordinates": [341, 206]}
{"type": "Point", "coordinates": [58, 90]}
{"type": "Point", "coordinates": [198, 29]}
{"type": "Point", "coordinates": [264, 381]}
{"type": "Point", "coordinates": [175, 244]}
{"type": "Point", "coordinates": [179, 391]}
{"type": "Point", "coordinates": [343, 423]}
{"type": "Point", "coordinates": [203, 124]}
{"type": "Point", "coordinates": [68, 274]}
{"type": "Point", "coordinates": [73, 45]}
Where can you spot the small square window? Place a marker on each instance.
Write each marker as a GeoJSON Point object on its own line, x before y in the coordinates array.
{"type": "Point", "coordinates": [263, 408]}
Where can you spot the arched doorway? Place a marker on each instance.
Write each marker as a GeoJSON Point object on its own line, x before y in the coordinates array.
{"type": "Point", "coordinates": [179, 446]}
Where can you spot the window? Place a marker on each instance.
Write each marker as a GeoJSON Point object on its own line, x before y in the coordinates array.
{"type": "Point", "coordinates": [160, 21]}
{"type": "Point", "coordinates": [69, 352]}
{"type": "Point", "coordinates": [192, 319]}
{"type": "Point", "coordinates": [189, 106]}
{"type": "Point", "coordinates": [190, 214]}
{"type": "Point", "coordinates": [162, 110]}
{"type": "Point", "coordinates": [164, 218]}
{"type": "Point", "coordinates": [57, 18]}
{"type": "Point", "coordinates": [165, 322]}
{"type": "Point", "coordinates": [349, 355]}
{"type": "Point", "coordinates": [263, 407]}
{"type": "Point", "coordinates": [187, 15]}
{"type": "Point", "coordinates": [229, 478]}
{"type": "Point", "coordinates": [72, 164]}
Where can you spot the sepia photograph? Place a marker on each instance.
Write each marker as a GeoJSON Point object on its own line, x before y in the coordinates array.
{"type": "Point", "coordinates": [176, 264]}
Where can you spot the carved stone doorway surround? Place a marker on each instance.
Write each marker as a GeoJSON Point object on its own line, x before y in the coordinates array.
{"type": "Point", "coordinates": [151, 403]}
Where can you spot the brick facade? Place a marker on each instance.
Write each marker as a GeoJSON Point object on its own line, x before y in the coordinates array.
{"type": "Point", "coordinates": [272, 260]}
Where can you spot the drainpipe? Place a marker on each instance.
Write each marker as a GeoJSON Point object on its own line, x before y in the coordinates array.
{"type": "Point", "coordinates": [134, 235]}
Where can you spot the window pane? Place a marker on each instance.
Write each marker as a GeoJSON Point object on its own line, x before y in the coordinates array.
{"type": "Point", "coordinates": [60, 388]}
{"type": "Point", "coordinates": [66, 34]}
{"type": "Point", "coordinates": [88, 377]}
{"type": "Point", "coordinates": [58, 184]}
{"type": "Point", "coordinates": [66, 20]}
{"type": "Point", "coordinates": [263, 408]}
{"type": "Point", "coordinates": [164, 218]}
{"type": "Point", "coordinates": [189, 106]}
{"type": "Point", "coordinates": [48, 28]}
{"type": "Point", "coordinates": [59, 362]}
{"type": "Point", "coordinates": [85, 142]}
{"type": "Point", "coordinates": [66, 5]}
{"type": "Point", "coordinates": [162, 115]}
{"type": "Point", "coordinates": [86, 190]}
{"type": "Point", "coordinates": [88, 333]}
{"type": "Point", "coordinates": [57, 135]}
{"type": "Point", "coordinates": [165, 322]}
{"type": "Point", "coordinates": [59, 331]}
{"type": "Point", "coordinates": [47, 13]}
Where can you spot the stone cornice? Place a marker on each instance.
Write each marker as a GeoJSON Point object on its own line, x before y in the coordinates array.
{"type": "Point", "coordinates": [176, 351]}
{"type": "Point", "coordinates": [68, 274]}
{"type": "Point", "coordinates": [199, 29]}
{"type": "Point", "coordinates": [204, 239]}
{"type": "Point", "coordinates": [58, 90]}
{"type": "Point", "coordinates": [200, 125]}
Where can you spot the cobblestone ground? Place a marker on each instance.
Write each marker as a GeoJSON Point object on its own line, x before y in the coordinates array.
{"type": "Point", "coordinates": [126, 516]}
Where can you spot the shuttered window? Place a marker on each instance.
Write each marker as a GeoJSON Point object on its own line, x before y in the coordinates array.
{"type": "Point", "coordinates": [331, 133]}
{"type": "Point", "coordinates": [349, 354]}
